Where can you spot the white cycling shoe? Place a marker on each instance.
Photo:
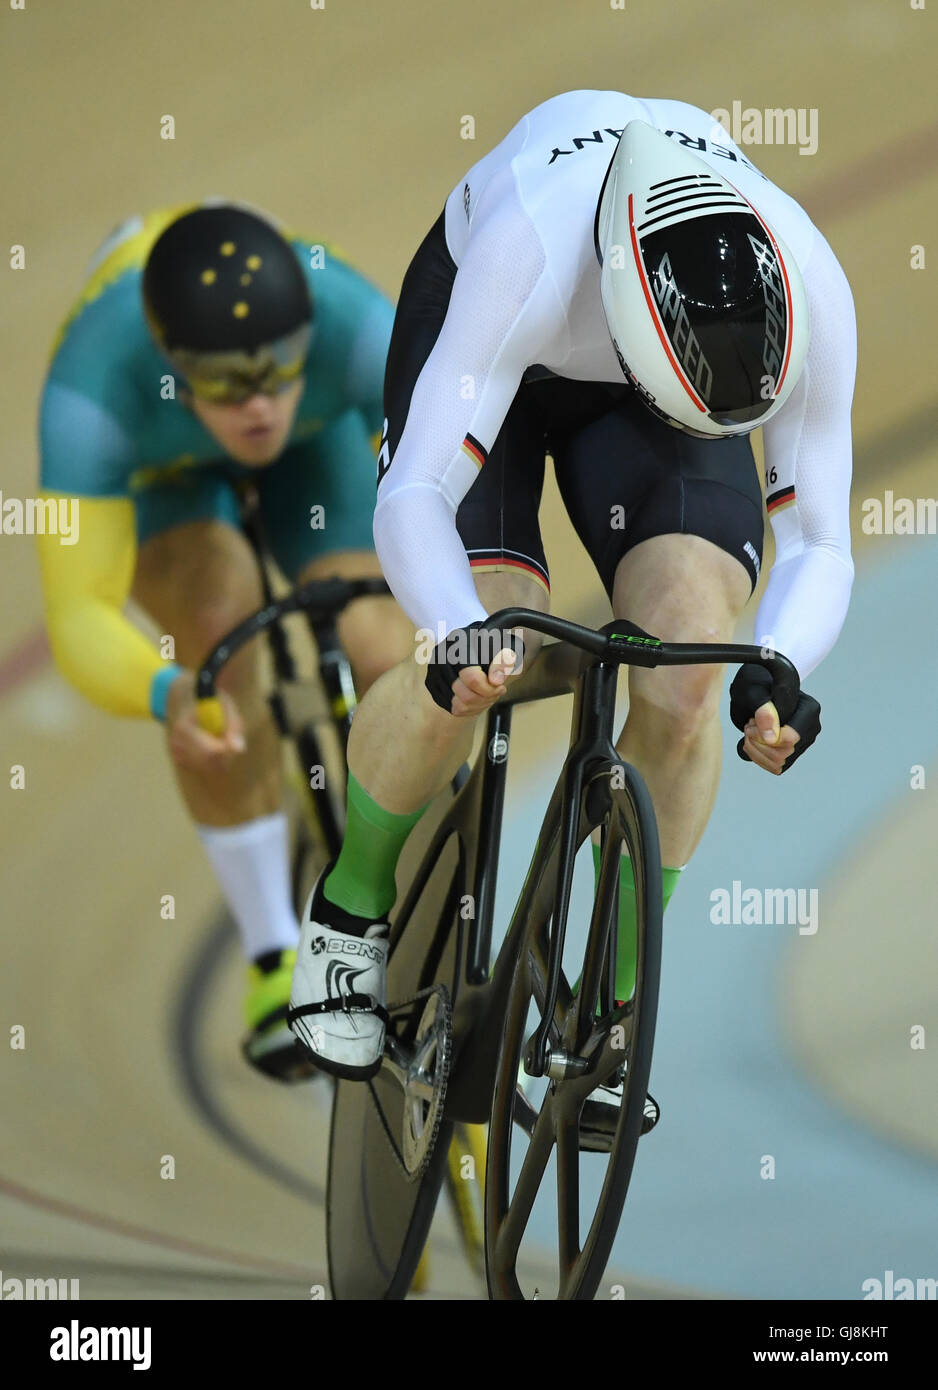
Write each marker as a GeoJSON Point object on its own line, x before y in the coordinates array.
{"type": "Point", "coordinates": [337, 1002]}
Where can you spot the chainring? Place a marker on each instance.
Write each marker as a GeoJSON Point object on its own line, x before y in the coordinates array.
{"type": "Point", "coordinates": [425, 1086]}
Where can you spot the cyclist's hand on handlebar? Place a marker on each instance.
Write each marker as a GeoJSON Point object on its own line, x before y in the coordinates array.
{"type": "Point", "coordinates": [466, 690]}
{"type": "Point", "coordinates": [773, 748]}
{"type": "Point", "coordinates": [475, 689]}
{"type": "Point", "coordinates": [191, 746]}
{"type": "Point", "coordinates": [765, 743]}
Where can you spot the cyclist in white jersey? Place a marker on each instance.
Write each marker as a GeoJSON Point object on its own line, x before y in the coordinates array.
{"type": "Point", "coordinates": [616, 284]}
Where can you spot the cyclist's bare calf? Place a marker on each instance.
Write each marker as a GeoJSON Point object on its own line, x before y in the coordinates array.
{"type": "Point", "coordinates": [403, 748]}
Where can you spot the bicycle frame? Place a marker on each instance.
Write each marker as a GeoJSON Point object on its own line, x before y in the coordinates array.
{"type": "Point", "coordinates": [476, 815]}
{"type": "Point", "coordinates": [334, 668]}
{"type": "Point", "coordinates": [380, 1205]}
{"type": "Point", "coordinates": [319, 601]}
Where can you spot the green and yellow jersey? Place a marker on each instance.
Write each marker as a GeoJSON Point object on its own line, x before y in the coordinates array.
{"type": "Point", "coordinates": [138, 461]}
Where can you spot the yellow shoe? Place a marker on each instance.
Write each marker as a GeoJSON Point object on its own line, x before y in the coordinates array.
{"type": "Point", "coordinates": [269, 1046]}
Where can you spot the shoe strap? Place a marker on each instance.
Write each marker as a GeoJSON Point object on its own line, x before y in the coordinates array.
{"type": "Point", "coordinates": [348, 1004]}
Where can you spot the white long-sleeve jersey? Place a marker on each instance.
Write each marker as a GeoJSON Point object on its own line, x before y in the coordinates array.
{"type": "Point", "coordinates": [519, 227]}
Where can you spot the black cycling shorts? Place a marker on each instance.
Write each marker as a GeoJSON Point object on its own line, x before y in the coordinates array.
{"type": "Point", "coordinates": [624, 475]}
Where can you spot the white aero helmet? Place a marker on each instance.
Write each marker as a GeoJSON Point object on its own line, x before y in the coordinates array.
{"type": "Point", "coordinates": [705, 303]}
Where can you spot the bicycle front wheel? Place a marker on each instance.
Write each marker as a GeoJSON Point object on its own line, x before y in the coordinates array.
{"type": "Point", "coordinates": [535, 1137]}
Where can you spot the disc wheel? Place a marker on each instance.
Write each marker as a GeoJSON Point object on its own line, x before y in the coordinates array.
{"type": "Point", "coordinates": [378, 1214]}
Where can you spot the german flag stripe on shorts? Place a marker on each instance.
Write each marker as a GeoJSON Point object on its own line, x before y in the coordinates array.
{"type": "Point", "coordinates": [497, 560]}
{"type": "Point", "coordinates": [474, 450]}
{"type": "Point", "coordinates": [775, 500]}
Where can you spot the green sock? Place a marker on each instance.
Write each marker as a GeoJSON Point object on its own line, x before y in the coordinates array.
{"type": "Point", "coordinates": [627, 943]}
{"type": "Point", "coordinates": [362, 881]}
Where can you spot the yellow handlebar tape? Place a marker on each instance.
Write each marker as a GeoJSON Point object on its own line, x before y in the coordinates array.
{"type": "Point", "coordinates": [211, 716]}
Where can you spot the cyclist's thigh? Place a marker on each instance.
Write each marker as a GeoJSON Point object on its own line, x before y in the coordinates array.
{"type": "Point", "coordinates": [374, 632]}
{"type": "Point", "coordinates": [180, 497]}
{"type": "Point", "coordinates": [509, 589]}
{"type": "Point", "coordinates": [673, 524]}
{"type": "Point", "coordinates": [196, 574]}
{"type": "Point", "coordinates": [682, 588]}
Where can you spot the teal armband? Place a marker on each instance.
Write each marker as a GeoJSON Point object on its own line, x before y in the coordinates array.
{"type": "Point", "coordinates": [159, 689]}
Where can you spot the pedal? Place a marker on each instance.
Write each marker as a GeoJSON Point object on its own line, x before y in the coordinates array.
{"type": "Point", "coordinates": [599, 1119]}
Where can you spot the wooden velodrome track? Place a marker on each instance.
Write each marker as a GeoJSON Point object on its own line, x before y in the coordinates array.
{"type": "Point", "coordinates": [345, 121]}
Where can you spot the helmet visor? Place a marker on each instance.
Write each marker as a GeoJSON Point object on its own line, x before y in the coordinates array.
{"type": "Point", "coordinates": [719, 292]}
{"type": "Point", "coordinates": [230, 378]}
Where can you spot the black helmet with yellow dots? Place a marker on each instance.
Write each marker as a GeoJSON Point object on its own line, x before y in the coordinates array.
{"type": "Point", "coordinates": [227, 300]}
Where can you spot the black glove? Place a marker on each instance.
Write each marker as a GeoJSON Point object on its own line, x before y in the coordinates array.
{"type": "Point", "coordinates": [475, 645]}
{"type": "Point", "coordinates": [751, 688]}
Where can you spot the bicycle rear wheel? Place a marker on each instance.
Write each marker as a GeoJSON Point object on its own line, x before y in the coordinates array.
{"type": "Point", "coordinates": [529, 1134]}
{"type": "Point", "coordinates": [377, 1220]}
{"type": "Point", "coordinates": [377, 1215]}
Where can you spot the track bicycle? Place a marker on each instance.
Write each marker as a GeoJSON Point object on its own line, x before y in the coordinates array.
{"type": "Point", "coordinates": [515, 1042]}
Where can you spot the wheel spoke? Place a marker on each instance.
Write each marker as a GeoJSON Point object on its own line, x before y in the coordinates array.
{"type": "Point", "coordinates": [533, 1164]}
{"type": "Point", "coordinates": [568, 1197]}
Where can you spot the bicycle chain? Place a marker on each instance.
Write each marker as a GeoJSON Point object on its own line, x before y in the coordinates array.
{"type": "Point", "coordinates": [393, 1008]}
{"type": "Point", "coordinates": [443, 1059]}
{"type": "Point", "coordinates": [414, 999]}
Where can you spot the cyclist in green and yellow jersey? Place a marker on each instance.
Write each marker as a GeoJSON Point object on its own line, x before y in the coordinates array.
{"type": "Point", "coordinates": [209, 347]}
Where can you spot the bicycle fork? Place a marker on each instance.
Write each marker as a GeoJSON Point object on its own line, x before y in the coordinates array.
{"type": "Point", "coordinates": [479, 1012]}
{"type": "Point", "coordinates": [593, 715]}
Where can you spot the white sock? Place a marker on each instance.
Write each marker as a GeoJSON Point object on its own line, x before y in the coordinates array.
{"type": "Point", "coordinates": [251, 863]}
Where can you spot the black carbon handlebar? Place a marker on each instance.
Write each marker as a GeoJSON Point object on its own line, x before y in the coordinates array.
{"type": "Point", "coordinates": [623, 642]}
{"type": "Point", "coordinates": [619, 641]}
